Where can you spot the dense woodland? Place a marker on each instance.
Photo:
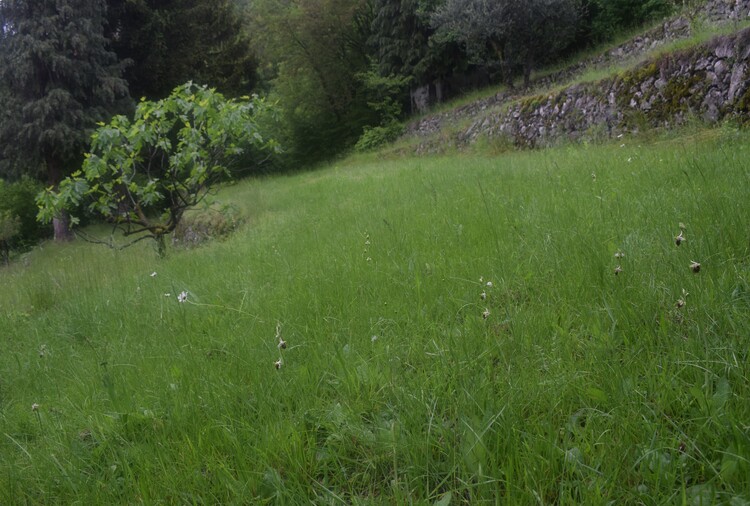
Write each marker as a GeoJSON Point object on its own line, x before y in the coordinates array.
{"type": "Point", "coordinates": [339, 73]}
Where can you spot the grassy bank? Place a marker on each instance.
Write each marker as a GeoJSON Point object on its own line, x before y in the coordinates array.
{"type": "Point", "coordinates": [455, 334]}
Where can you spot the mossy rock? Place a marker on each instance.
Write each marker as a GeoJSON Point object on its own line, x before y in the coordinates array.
{"type": "Point", "coordinates": [202, 225]}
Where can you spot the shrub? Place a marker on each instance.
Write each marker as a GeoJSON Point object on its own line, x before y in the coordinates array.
{"type": "Point", "coordinates": [9, 227]}
{"type": "Point", "coordinates": [202, 225]}
{"type": "Point", "coordinates": [374, 137]}
{"type": "Point", "coordinates": [17, 200]}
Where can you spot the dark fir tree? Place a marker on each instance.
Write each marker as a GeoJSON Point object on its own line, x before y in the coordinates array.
{"type": "Point", "coordinates": [170, 42]}
{"type": "Point", "coordinates": [60, 80]}
{"type": "Point", "coordinates": [403, 45]}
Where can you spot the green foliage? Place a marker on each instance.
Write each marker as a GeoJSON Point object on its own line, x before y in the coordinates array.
{"type": "Point", "coordinates": [10, 226]}
{"type": "Point", "coordinates": [402, 42]}
{"type": "Point", "coordinates": [142, 174]}
{"type": "Point", "coordinates": [171, 42]}
{"type": "Point", "coordinates": [375, 137]}
{"type": "Point", "coordinates": [382, 93]}
{"type": "Point", "coordinates": [509, 34]}
{"type": "Point", "coordinates": [312, 52]}
{"type": "Point", "coordinates": [17, 200]}
{"type": "Point", "coordinates": [606, 18]}
{"type": "Point", "coordinates": [210, 222]}
{"type": "Point", "coordinates": [60, 80]}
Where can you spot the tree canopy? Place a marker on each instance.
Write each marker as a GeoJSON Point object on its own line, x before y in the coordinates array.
{"type": "Point", "coordinates": [170, 42]}
{"type": "Point", "coordinates": [506, 34]}
{"type": "Point", "coordinates": [60, 79]}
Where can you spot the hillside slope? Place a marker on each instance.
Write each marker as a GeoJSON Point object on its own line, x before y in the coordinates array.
{"type": "Point", "coordinates": [708, 80]}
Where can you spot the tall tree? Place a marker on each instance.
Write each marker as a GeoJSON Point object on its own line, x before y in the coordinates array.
{"type": "Point", "coordinates": [506, 34]}
{"type": "Point", "coordinates": [61, 79]}
{"type": "Point", "coordinates": [403, 45]}
{"type": "Point", "coordinates": [170, 42]}
{"type": "Point", "coordinates": [314, 51]}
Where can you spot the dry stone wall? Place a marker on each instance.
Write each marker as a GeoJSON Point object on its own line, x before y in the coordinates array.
{"type": "Point", "coordinates": [718, 10]}
{"type": "Point", "coordinates": [709, 82]}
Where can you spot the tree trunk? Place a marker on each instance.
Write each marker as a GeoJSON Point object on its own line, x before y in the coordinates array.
{"type": "Point", "coordinates": [61, 222]}
{"type": "Point", "coordinates": [61, 226]}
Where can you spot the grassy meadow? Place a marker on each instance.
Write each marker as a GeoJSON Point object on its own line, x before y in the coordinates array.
{"type": "Point", "coordinates": [455, 333]}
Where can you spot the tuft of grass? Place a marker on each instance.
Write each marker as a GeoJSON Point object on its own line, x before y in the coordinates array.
{"type": "Point", "coordinates": [455, 333]}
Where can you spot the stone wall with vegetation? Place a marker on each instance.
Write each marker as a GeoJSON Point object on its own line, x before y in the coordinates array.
{"type": "Point", "coordinates": [707, 82]}
{"type": "Point", "coordinates": [710, 82]}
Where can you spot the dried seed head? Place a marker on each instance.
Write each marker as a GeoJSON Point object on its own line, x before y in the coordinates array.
{"type": "Point", "coordinates": [695, 267]}
{"type": "Point", "coordinates": [282, 343]}
{"type": "Point", "coordinates": [679, 239]}
{"type": "Point", "coordinates": [618, 270]}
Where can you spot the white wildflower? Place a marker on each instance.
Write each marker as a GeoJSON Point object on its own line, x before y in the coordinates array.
{"type": "Point", "coordinates": [182, 297]}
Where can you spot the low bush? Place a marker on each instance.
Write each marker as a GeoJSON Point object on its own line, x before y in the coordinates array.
{"type": "Point", "coordinates": [202, 225]}
{"type": "Point", "coordinates": [17, 204]}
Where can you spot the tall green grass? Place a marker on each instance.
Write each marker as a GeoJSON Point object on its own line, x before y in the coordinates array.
{"type": "Point", "coordinates": [399, 383]}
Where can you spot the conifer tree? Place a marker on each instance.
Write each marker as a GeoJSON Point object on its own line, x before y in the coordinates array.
{"type": "Point", "coordinates": [171, 42]}
{"type": "Point", "coordinates": [60, 79]}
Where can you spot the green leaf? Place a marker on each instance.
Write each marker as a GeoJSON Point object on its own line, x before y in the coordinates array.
{"type": "Point", "coordinates": [445, 500]}
{"type": "Point", "coordinates": [596, 394]}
